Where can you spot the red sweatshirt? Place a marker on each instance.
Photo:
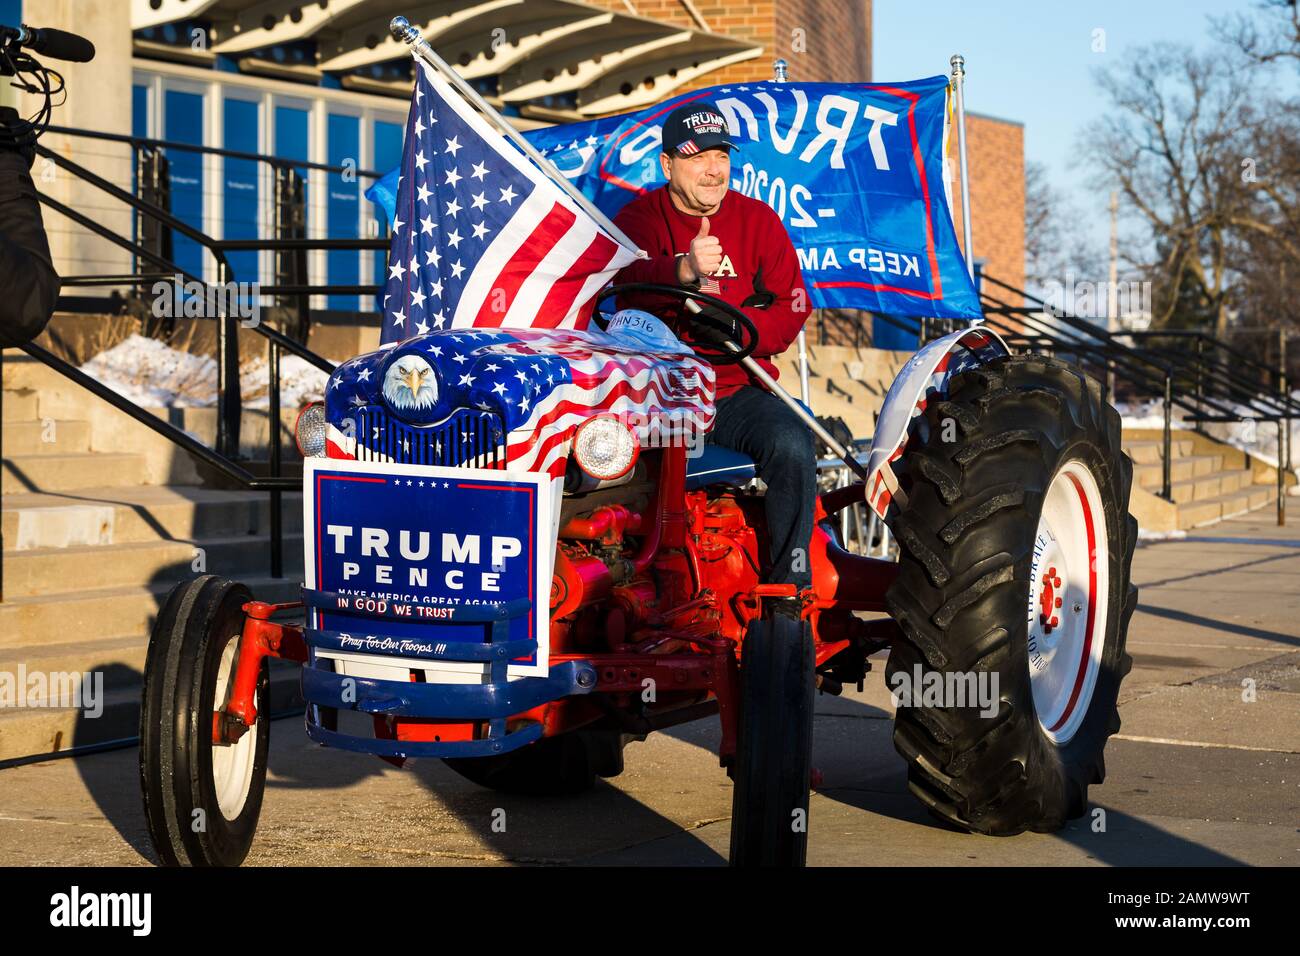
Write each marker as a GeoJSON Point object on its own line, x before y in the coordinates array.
{"type": "Point", "coordinates": [753, 241]}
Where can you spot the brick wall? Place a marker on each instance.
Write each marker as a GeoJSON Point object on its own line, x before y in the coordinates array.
{"type": "Point", "coordinates": [836, 38]}
{"type": "Point", "coordinates": [996, 153]}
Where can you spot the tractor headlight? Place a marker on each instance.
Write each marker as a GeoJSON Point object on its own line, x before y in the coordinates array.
{"type": "Point", "coordinates": [309, 431]}
{"type": "Point", "coordinates": [605, 448]}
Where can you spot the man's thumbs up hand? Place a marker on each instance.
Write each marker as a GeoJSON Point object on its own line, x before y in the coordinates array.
{"type": "Point", "coordinates": [705, 256]}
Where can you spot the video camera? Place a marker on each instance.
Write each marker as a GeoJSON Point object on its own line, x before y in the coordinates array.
{"type": "Point", "coordinates": [16, 47]}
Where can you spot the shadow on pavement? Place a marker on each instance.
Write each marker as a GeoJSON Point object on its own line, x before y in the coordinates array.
{"type": "Point", "coordinates": [115, 792]}
{"type": "Point", "coordinates": [1243, 629]}
{"type": "Point", "coordinates": [853, 751]}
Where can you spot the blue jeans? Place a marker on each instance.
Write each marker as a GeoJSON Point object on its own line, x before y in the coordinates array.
{"type": "Point", "coordinates": [757, 423]}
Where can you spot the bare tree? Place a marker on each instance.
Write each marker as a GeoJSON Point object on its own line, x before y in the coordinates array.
{"type": "Point", "coordinates": [1179, 127]}
{"type": "Point", "coordinates": [1269, 238]}
{"type": "Point", "coordinates": [1271, 35]}
{"type": "Point", "coordinates": [1054, 245]}
{"type": "Point", "coordinates": [1043, 234]}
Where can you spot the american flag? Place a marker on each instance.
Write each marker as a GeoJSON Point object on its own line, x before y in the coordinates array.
{"type": "Point", "coordinates": [481, 237]}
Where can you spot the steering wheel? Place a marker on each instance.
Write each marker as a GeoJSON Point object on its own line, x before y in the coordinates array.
{"type": "Point", "coordinates": [715, 339]}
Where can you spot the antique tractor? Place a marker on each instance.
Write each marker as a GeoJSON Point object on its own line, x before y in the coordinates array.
{"type": "Point", "coordinates": [521, 555]}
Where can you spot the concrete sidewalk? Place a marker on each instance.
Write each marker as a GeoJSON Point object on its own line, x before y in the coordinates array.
{"type": "Point", "coordinates": [1197, 775]}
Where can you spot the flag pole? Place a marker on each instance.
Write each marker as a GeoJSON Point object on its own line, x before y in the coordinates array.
{"type": "Point", "coordinates": [959, 86]}
{"type": "Point", "coordinates": [401, 29]}
{"type": "Point", "coordinates": [780, 71]}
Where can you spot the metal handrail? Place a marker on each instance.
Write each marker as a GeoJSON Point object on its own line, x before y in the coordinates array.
{"type": "Point", "coordinates": [223, 458]}
{"type": "Point", "coordinates": [1103, 333]}
{"type": "Point", "coordinates": [138, 141]}
{"type": "Point", "coordinates": [276, 483]}
{"type": "Point", "coordinates": [1199, 335]}
{"type": "Point", "coordinates": [1147, 369]}
{"type": "Point", "coordinates": [1246, 394]}
{"type": "Point", "coordinates": [1264, 404]}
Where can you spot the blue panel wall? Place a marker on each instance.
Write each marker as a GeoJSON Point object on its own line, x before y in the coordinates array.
{"type": "Point", "coordinates": [139, 110]}
{"type": "Point", "coordinates": [291, 123]}
{"type": "Point", "coordinates": [139, 127]}
{"type": "Point", "coordinates": [11, 12]}
{"type": "Point", "coordinates": [183, 115]}
{"type": "Point", "coordinates": [342, 205]}
{"type": "Point", "coordinates": [291, 128]}
{"type": "Point", "coordinates": [387, 154]}
{"type": "Point", "coordinates": [240, 198]}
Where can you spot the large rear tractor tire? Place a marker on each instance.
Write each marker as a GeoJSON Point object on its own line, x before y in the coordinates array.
{"type": "Point", "coordinates": [1014, 593]}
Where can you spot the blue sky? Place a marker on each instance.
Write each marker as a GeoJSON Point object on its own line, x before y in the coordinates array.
{"type": "Point", "coordinates": [1032, 61]}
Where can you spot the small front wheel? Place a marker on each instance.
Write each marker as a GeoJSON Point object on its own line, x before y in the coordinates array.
{"type": "Point", "coordinates": [201, 798]}
{"type": "Point", "coordinates": [773, 763]}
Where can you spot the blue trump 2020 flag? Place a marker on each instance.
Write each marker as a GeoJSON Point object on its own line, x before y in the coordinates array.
{"type": "Point", "coordinates": [854, 170]}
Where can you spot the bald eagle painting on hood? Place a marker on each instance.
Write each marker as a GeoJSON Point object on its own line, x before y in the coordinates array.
{"type": "Point", "coordinates": [410, 384]}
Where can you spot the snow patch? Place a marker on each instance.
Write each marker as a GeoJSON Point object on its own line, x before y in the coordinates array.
{"type": "Point", "coordinates": [1150, 537]}
{"type": "Point", "coordinates": [154, 375]}
{"type": "Point", "coordinates": [1256, 438]}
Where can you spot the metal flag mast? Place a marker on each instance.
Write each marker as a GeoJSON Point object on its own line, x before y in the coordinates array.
{"type": "Point", "coordinates": [780, 70]}
{"type": "Point", "coordinates": [402, 30]}
{"type": "Point", "coordinates": [958, 85]}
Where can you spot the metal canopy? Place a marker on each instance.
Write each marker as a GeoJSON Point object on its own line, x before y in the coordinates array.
{"type": "Point", "coordinates": [364, 39]}
{"type": "Point", "coordinates": [608, 60]}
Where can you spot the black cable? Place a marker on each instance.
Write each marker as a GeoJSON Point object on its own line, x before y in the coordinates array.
{"type": "Point", "coordinates": [30, 76]}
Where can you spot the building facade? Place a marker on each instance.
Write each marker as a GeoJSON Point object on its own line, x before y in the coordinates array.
{"type": "Point", "coordinates": [322, 84]}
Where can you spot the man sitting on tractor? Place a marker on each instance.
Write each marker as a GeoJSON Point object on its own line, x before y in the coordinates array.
{"type": "Point", "coordinates": [700, 235]}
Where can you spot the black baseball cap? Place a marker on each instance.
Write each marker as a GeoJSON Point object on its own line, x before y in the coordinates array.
{"type": "Point", "coordinates": [695, 127]}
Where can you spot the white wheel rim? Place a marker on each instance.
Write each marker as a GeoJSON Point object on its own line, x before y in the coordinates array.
{"type": "Point", "coordinates": [232, 764]}
{"type": "Point", "coordinates": [1068, 596]}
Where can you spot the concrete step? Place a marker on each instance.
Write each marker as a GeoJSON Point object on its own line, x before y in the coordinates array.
{"type": "Point", "coordinates": [59, 472]}
{"type": "Point", "coordinates": [106, 655]}
{"type": "Point", "coordinates": [29, 731]}
{"type": "Point", "coordinates": [50, 437]}
{"type": "Point", "coordinates": [23, 371]}
{"type": "Point", "coordinates": [20, 405]}
{"type": "Point", "coordinates": [52, 571]}
{"type": "Point", "coordinates": [1209, 486]}
{"type": "Point", "coordinates": [1180, 469]}
{"type": "Point", "coordinates": [1145, 452]}
{"type": "Point", "coordinates": [37, 731]}
{"type": "Point", "coordinates": [1193, 514]}
{"type": "Point", "coordinates": [143, 513]}
{"type": "Point", "coordinates": [68, 617]}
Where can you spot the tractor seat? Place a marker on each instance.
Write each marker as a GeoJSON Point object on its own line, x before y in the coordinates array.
{"type": "Point", "coordinates": [718, 465]}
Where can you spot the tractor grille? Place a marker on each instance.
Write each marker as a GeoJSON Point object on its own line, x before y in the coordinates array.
{"type": "Point", "coordinates": [469, 438]}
